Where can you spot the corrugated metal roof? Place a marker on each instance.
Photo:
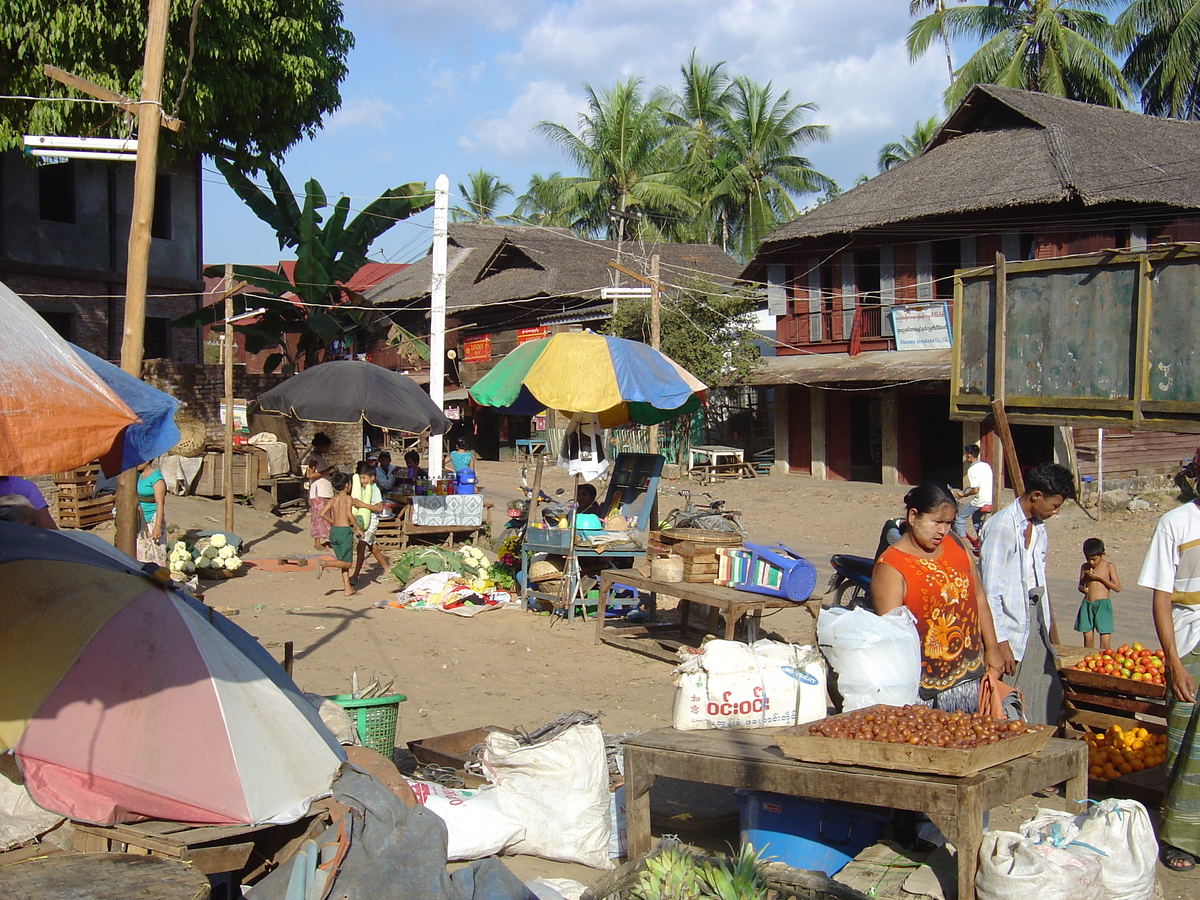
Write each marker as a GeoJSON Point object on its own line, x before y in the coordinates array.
{"type": "Point", "coordinates": [881, 366]}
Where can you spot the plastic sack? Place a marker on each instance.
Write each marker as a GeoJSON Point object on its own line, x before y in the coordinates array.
{"type": "Point", "coordinates": [1015, 867]}
{"type": "Point", "coordinates": [877, 659]}
{"type": "Point", "coordinates": [767, 684]}
{"type": "Point", "coordinates": [475, 828]}
{"type": "Point", "coordinates": [558, 789]}
{"type": "Point", "coordinates": [1119, 830]}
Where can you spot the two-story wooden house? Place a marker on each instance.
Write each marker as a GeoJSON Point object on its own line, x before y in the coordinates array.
{"type": "Point", "coordinates": [1024, 174]}
{"type": "Point", "coordinates": [64, 235]}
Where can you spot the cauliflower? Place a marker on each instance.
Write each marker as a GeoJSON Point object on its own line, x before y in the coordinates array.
{"type": "Point", "coordinates": [217, 540]}
{"type": "Point", "coordinates": [232, 563]}
{"type": "Point", "coordinates": [203, 562]}
{"type": "Point", "coordinates": [188, 567]}
{"type": "Point", "coordinates": [210, 552]}
{"type": "Point", "coordinates": [226, 552]}
{"type": "Point", "coordinates": [179, 547]}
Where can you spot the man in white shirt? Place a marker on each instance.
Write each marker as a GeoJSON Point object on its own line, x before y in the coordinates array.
{"type": "Point", "coordinates": [1171, 571]}
{"type": "Point", "coordinates": [977, 492]}
{"type": "Point", "coordinates": [1012, 567]}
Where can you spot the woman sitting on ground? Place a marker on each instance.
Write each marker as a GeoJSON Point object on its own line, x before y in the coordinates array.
{"type": "Point", "coordinates": [928, 571]}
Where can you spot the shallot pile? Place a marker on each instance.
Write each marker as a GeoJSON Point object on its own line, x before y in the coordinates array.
{"type": "Point", "coordinates": [921, 726]}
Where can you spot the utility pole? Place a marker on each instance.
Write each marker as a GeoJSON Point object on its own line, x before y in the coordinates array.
{"type": "Point", "coordinates": [437, 313]}
{"type": "Point", "coordinates": [227, 347]}
{"type": "Point", "coordinates": [138, 260]}
{"type": "Point", "coordinates": [655, 331]}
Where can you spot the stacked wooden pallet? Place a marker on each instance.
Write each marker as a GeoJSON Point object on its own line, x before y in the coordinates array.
{"type": "Point", "coordinates": [697, 546]}
{"type": "Point", "coordinates": [77, 508]}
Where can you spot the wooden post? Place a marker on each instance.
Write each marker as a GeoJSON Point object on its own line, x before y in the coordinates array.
{"type": "Point", "coordinates": [889, 426]}
{"type": "Point", "coordinates": [655, 331]}
{"type": "Point", "coordinates": [289, 657]}
{"type": "Point", "coordinates": [999, 349]}
{"type": "Point", "coordinates": [227, 457]}
{"type": "Point", "coordinates": [1010, 452]}
{"type": "Point", "coordinates": [138, 262]}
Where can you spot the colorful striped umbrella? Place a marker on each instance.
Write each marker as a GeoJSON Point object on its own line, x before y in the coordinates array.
{"type": "Point", "coordinates": [121, 700]}
{"type": "Point", "coordinates": [620, 381]}
{"type": "Point", "coordinates": [55, 411]}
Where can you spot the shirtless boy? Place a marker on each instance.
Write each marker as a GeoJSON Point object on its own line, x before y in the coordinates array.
{"type": "Point", "coordinates": [343, 529]}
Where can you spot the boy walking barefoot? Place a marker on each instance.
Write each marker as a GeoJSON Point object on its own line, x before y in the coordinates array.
{"type": "Point", "coordinates": [1097, 576]}
{"type": "Point", "coordinates": [340, 514]}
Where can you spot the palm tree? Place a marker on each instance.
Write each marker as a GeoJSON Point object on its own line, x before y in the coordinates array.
{"type": "Point", "coordinates": [694, 115]}
{"type": "Point", "coordinates": [1058, 47]}
{"type": "Point", "coordinates": [481, 195]}
{"type": "Point", "coordinates": [542, 203]}
{"type": "Point", "coordinates": [759, 136]}
{"type": "Point", "coordinates": [1162, 38]}
{"type": "Point", "coordinates": [623, 150]}
{"type": "Point", "coordinates": [916, 7]}
{"type": "Point", "coordinates": [910, 145]}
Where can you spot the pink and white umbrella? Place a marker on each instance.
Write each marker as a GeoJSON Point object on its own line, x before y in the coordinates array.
{"type": "Point", "coordinates": [122, 701]}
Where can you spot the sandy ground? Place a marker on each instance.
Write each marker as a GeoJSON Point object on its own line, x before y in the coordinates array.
{"type": "Point", "coordinates": [514, 668]}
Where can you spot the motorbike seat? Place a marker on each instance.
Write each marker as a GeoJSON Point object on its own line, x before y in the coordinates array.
{"type": "Point", "coordinates": [859, 565]}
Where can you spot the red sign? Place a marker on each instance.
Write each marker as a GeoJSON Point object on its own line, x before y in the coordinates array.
{"type": "Point", "coordinates": [532, 334]}
{"type": "Point", "coordinates": [477, 349]}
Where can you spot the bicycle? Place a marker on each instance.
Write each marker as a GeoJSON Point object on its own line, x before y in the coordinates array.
{"type": "Point", "coordinates": [712, 516]}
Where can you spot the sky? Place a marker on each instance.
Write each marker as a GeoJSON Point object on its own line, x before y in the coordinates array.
{"type": "Point", "coordinates": [451, 86]}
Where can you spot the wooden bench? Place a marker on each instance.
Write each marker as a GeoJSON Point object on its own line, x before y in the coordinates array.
{"type": "Point", "coordinates": [718, 471]}
{"type": "Point", "coordinates": [736, 606]}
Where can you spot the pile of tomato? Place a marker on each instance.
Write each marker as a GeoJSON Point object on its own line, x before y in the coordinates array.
{"type": "Point", "coordinates": [1132, 661]}
{"type": "Point", "coordinates": [1118, 752]}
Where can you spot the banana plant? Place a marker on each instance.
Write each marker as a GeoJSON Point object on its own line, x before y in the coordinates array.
{"type": "Point", "coordinates": [305, 314]}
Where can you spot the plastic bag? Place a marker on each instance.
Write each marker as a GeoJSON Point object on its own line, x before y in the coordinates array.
{"type": "Point", "coordinates": [475, 828]}
{"type": "Point", "coordinates": [558, 789]}
{"type": "Point", "coordinates": [1015, 867]}
{"type": "Point", "coordinates": [877, 659]}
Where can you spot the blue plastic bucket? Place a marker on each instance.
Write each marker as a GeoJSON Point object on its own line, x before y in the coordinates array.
{"type": "Point", "coordinates": [465, 481]}
{"type": "Point", "coordinates": [821, 835]}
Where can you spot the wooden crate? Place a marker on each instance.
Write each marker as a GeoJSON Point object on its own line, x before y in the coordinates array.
{"type": "Point", "coordinates": [798, 743]}
{"type": "Point", "coordinates": [1112, 695]}
{"type": "Point", "coordinates": [83, 475]}
{"type": "Point", "coordinates": [700, 565]}
{"type": "Point", "coordinates": [76, 513]}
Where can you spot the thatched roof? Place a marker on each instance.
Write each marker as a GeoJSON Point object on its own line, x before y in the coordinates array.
{"type": "Point", "coordinates": [490, 264]}
{"type": "Point", "coordinates": [1007, 148]}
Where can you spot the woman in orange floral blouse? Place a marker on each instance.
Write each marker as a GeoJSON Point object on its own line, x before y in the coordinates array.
{"type": "Point", "coordinates": [929, 571]}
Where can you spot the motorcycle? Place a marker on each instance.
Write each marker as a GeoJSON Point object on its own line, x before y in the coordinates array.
{"type": "Point", "coordinates": [850, 584]}
{"type": "Point", "coordinates": [1186, 477]}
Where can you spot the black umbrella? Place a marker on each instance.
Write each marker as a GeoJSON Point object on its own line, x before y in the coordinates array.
{"type": "Point", "coordinates": [349, 391]}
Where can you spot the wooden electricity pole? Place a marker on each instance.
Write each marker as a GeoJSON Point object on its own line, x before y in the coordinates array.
{"type": "Point", "coordinates": [227, 457]}
{"type": "Point", "coordinates": [138, 260]}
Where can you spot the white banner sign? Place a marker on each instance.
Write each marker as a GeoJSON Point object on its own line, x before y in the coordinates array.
{"type": "Point", "coordinates": [922, 326]}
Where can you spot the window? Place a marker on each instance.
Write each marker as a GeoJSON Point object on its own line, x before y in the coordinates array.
{"type": "Point", "coordinates": [56, 193]}
{"type": "Point", "coordinates": [867, 275]}
{"type": "Point", "coordinates": [156, 342]}
{"type": "Point", "coordinates": [947, 256]}
{"type": "Point", "coordinates": [59, 321]}
{"type": "Point", "coordinates": [160, 222]}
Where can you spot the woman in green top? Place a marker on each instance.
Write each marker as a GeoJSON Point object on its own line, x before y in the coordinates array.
{"type": "Point", "coordinates": [152, 498]}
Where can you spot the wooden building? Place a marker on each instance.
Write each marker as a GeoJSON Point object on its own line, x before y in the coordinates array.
{"type": "Point", "coordinates": [1013, 172]}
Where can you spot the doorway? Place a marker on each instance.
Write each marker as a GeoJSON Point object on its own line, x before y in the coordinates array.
{"type": "Point", "coordinates": [866, 439]}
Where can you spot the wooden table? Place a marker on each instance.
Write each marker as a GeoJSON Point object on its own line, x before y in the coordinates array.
{"type": "Point", "coordinates": [750, 759]}
{"type": "Point", "coordinates": [531, 447]}
{"type": "Point", "coordinates": [101, 876]}
{"type": "Point", "coordinates": [394, 532]}
{"type": "Point", "coordinates": [735, 605]}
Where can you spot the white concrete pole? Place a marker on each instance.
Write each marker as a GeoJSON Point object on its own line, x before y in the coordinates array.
{"type": "Point", "coordinates": [437, 314]}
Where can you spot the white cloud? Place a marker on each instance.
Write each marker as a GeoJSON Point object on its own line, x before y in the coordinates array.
{"type": "Point", "coordinates": [511, 135]}
{"type": "Point", "coordinates": [365, 113]}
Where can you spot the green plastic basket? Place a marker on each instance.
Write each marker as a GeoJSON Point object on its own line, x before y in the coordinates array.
{"type": "Point", "coordinates": [375, 719]}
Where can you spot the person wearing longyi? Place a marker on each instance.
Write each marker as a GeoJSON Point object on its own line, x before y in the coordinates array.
{"type": "Point", "coordinates": [1171, 571]}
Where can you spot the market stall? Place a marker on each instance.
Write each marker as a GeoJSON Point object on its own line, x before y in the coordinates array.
{"type": "Point", "coordinates": [738, 758]}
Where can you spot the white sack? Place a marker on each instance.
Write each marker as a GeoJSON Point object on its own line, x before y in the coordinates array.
{"type": "Point", "coordinates": [558, 789]}
{"type": "Point", "coordinates": [475, 828]}
{"type": "Point", "coordinates": [21, 820]}
{"type": "Point", "coordinates": [767, 684]}
{"type": "Point", "coordinates": [877, 659]}
{"type": "Point", "coordinates": [1013, 867]}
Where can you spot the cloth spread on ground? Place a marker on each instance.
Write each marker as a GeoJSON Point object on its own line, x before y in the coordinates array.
{"type": "Point", "coordinates": [391, 852]}
{"type": "Point", "coordinates": [450, 593]}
